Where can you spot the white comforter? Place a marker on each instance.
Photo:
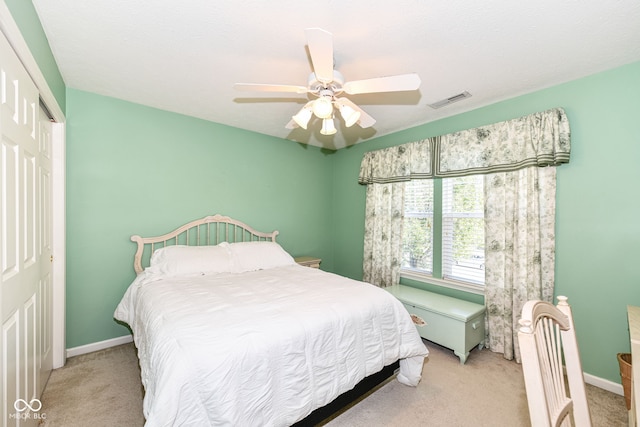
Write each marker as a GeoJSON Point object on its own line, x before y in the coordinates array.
{"type": "Point", "coordinates": [262, 348]}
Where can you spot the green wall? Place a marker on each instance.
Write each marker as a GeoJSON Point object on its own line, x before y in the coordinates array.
{"type": "Point", "coordinates": [598, 208]}
{"type": "Point", "coordinates": [137, 170]}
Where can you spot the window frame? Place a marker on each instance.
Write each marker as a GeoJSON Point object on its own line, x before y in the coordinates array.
{"type": "Point", "coordinates": [435, 278]}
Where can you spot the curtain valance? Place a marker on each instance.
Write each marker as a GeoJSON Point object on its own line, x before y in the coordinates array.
{"type": "Point", "coordinates": [395, 164]}
{"type": "Point", "coordinates": [539, 139]}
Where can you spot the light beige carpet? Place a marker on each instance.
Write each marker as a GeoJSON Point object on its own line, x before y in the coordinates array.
{"type": "Point", "coordinates": [96, 389]}
{"type": "Point", "coordinates": [104, 389]}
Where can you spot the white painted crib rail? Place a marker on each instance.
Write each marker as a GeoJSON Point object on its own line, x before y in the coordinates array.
{"type": "Point", "coordinates": [209, 230]}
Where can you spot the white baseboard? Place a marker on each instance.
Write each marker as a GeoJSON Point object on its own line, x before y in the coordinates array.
{"type": "Point", "coordinates": [84, 349]}
{"type": "Point", "coordinates": [96, 346]}
{"type": "Point", "coordinates": [604, 384]}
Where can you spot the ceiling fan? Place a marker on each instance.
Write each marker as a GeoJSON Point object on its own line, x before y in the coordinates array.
{"type": "Point", "coordinates": [327, 84]}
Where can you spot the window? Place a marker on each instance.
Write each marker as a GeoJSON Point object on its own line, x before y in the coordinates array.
{"type": "Point", "coordinates": [443, 230]}
{"type": "Point", "coordinates": [417, 229]}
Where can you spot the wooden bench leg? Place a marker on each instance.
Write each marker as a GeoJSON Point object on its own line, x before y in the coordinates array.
{"type": "Point", "coordinates": [462, 356]}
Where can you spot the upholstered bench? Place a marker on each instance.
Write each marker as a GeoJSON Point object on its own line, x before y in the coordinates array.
{"type": "Point", "coordinates": [450, 322]}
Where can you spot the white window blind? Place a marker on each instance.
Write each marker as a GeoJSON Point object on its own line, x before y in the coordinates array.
{"type": "Point", "coordinates": [417, 241]}
{"type": "Point", "coordinates": [463, 249]}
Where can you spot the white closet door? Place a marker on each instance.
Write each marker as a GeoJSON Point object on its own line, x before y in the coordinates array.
{"type": "Point", "coordinates": [24, 237]}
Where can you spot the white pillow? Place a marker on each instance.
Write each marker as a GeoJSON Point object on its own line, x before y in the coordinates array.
{"type": "Point", "coordinates": [181, 260]}
{"type": "Point", "coordinates": [251, 256]}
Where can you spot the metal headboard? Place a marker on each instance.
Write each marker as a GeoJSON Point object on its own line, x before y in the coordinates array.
{"type": "Point", "coordinates": [209, 230]}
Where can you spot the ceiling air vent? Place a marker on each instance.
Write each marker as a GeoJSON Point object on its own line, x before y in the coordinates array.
{"type": "Point", "coordinates": [450, 100]}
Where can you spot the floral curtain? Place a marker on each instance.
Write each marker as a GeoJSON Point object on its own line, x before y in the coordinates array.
{"type": "Point", "coordinates": [383, 234]}
{"type": "Point", "coordinates": [385, 172]}
{"type": "Point", "coordinates": [515, 156]}
{"type": "Point", "coordinates": [519, 250]}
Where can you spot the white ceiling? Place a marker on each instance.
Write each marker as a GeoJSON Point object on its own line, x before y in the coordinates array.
{"type": "Point", "coordinates": [185, 57]}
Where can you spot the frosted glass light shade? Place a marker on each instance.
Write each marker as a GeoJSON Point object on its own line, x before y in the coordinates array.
{"type": "Point", "coordinates": [303, 117]}
{"type": "Point", "coordinates": [349, 115]}
{"type": "Point", "coordinates": [328, 127]}
{"type": "Point", "coordinates": [323, 108]}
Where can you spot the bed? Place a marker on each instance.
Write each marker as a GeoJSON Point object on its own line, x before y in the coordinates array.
{"type": "Point", "coordinates": [230, 330]}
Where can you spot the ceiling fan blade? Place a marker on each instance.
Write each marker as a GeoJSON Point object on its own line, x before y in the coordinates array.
{"type": "Point", "coordinates": [365, 120]}
{"type": "Point", "coordinates": [291, 125]}
{"type": "Point", "coordinates": [397, 83]}
{"type": "Point", "coordinates": [258, 87]}
{"type": "Point", "coordinates": [320, 44]}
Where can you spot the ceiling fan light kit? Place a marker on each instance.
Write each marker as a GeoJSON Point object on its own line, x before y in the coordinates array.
{"type": "Point", "coordinates": [328, 127]}
{"type": "Point", "coordinates": [349, 115]}
{"type": "Point", "coordinates": [304, 115]}
{"type": "Point", "coordinates": [326, 83]}
{"type": "Point", "coordinates": [323, 107]}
